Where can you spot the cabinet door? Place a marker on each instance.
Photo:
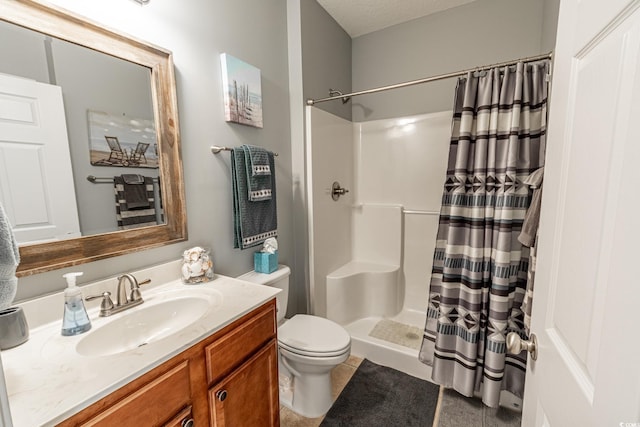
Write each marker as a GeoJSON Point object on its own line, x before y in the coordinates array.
{"type": "Point", "coordinates": [249, 395]}
{"type": "Point", "coordinates": [228, 352]}
{"type": "Point", "coordinates": [183, 419]}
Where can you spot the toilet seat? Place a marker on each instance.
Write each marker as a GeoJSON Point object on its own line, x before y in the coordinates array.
{"type": "Point", "coordinates": [313, 336]}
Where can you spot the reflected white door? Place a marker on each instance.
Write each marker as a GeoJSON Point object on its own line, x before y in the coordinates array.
{"type": "Point", "coordinates": [587, 289]}
{"type": "Point", "coordinates": [36, 179]}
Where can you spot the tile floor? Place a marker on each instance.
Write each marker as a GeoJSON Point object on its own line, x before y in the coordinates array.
{"type": "Point", "coordinates": [454, 410]}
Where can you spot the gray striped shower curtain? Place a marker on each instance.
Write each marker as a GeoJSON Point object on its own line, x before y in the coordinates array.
{"type": "Point", "coordinates": [479, 274]}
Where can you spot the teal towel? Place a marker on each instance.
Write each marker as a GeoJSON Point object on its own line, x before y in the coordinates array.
{"type": "Point", "coordinates": [259, 160]}
{"type": "Point", "coordinates": [9, 260]}
{"type": "Point", "coordinates": [258, 171]}
{"type": "Point", "coordinates": [253, 221]}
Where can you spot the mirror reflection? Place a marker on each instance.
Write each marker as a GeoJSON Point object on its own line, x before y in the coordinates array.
{"type": "Point", "coordinates": [79, 147]}
{"type": "Point", "coordinates": [26, 176]}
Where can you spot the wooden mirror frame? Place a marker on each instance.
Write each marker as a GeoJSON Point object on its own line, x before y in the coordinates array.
{"type": "Point", "coordinates": [62, 24]}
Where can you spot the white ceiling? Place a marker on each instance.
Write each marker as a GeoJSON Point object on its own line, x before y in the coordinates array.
{"type": "Point", "coordinates": [359, 17]}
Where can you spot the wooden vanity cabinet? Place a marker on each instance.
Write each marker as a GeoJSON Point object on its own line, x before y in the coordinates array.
{"type": "Point", "coordinates": [237, 366]}
{"type": "Point", "coordinates": [229, 378]}
{"type": "Point", "coordinates": [244, 398]}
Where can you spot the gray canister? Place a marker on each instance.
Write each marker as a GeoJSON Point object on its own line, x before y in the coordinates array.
{"type": "Point", "coordinates": [13, 328]}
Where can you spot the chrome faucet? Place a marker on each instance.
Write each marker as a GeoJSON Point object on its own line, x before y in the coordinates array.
{"type": "Point", "coordinates": [107, 307]}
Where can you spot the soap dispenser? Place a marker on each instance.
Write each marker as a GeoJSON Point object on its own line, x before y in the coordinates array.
{"type": "Point", "coordinates": [75, 319]}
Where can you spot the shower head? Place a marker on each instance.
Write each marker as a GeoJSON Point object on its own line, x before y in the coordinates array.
{"type": "Point", "coordinates": [334, 92]}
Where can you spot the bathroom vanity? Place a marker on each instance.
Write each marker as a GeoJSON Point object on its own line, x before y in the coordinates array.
{"type": "Point", "coordinates": [210, 361]}
{"type": "Point", "coordinates": [229, 378]}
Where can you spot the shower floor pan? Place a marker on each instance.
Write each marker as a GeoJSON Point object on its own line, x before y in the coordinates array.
{"type": "Point", "coordinates": [386, 350]}
{"type": "Point", "coordinates": [393, 341]}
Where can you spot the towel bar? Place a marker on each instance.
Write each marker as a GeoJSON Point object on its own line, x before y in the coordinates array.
{"type": "Point", "coordinates": [105, 180]}
{"type": "Point", "coordinates": [216, 149]}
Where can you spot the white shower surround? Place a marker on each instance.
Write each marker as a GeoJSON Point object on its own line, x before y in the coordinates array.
{"type": "Point", "coordinates": [390, 162]}
{"type": "Point", "coordinates": [368, 285]}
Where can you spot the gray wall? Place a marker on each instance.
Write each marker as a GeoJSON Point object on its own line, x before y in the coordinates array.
{"type": "Point", "coordinates": [299, 281]}
{"type": "Point", "coordinates": [319, 59]}
{"type": "Point", "coordinates": [326, 57]}
{"type": "Point", "coordinates": [28, 58]}
{"type": "Point", "coordinates": [549, 25]}
{"type": "Point", "coordinates": [479, 33]}
{"type": "Point", "coordinates": [197, 32]}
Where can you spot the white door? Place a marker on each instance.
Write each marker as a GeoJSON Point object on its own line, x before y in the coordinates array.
{"type": "Point", "coordinates": [587, 291]}
{"type": "Point", "coordinates": [36, 179]}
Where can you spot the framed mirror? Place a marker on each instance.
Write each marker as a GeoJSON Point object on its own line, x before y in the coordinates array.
{"type": "Point", "coordinates": [134, 135]}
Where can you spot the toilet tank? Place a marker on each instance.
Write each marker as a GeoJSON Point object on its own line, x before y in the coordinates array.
{"type": "Point", "coordinates": [278, 279]}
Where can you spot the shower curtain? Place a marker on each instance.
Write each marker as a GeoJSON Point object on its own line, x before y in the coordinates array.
{"type": "Point", "coordinates": [479, 273]}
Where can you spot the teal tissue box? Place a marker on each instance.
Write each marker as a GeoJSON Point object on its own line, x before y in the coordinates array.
{"type": "Point", "coordinates": [264, 262]}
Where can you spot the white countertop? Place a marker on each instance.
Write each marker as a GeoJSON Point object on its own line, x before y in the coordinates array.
{"type": "Point", "coordinates": [48, 381]}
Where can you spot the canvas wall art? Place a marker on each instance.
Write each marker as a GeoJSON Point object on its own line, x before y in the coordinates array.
{"type": "Point", "coordinates": [120, 140]}
{"type": "Point", "coordinates": [242, 91]}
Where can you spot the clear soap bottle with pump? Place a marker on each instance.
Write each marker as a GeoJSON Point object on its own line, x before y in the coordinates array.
{"type": "Point", "coordinates": [75, 319]}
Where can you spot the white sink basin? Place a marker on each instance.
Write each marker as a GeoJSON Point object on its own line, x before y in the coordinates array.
{"type": "Point", "coordinates": [144, 325]}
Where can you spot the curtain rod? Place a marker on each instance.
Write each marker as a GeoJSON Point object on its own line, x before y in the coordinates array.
{"type": "Point", "coordinates": [431, 79]}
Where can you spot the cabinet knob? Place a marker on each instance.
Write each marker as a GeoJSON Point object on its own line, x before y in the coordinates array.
{"type": "Point", "coordinates": [221, 395]}
{"type": "Point", "coordinates": [187, 422]}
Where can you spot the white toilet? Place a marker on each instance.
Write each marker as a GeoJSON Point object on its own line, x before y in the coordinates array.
{"type": "Point", "coordinates": [309, 348]}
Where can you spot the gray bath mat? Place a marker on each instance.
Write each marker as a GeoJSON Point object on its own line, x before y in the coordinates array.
{"type": "Point", "coordinates": [381, 396]}
{"type": "Point", "coordinates": [398, 333]}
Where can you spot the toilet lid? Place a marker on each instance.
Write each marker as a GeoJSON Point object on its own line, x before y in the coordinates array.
{"type": "Point", "coordinates": [313, 336]}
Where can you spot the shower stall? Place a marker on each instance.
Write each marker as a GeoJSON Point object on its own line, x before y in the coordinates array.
{"type": "Point", "coordinates": [371, 249]}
